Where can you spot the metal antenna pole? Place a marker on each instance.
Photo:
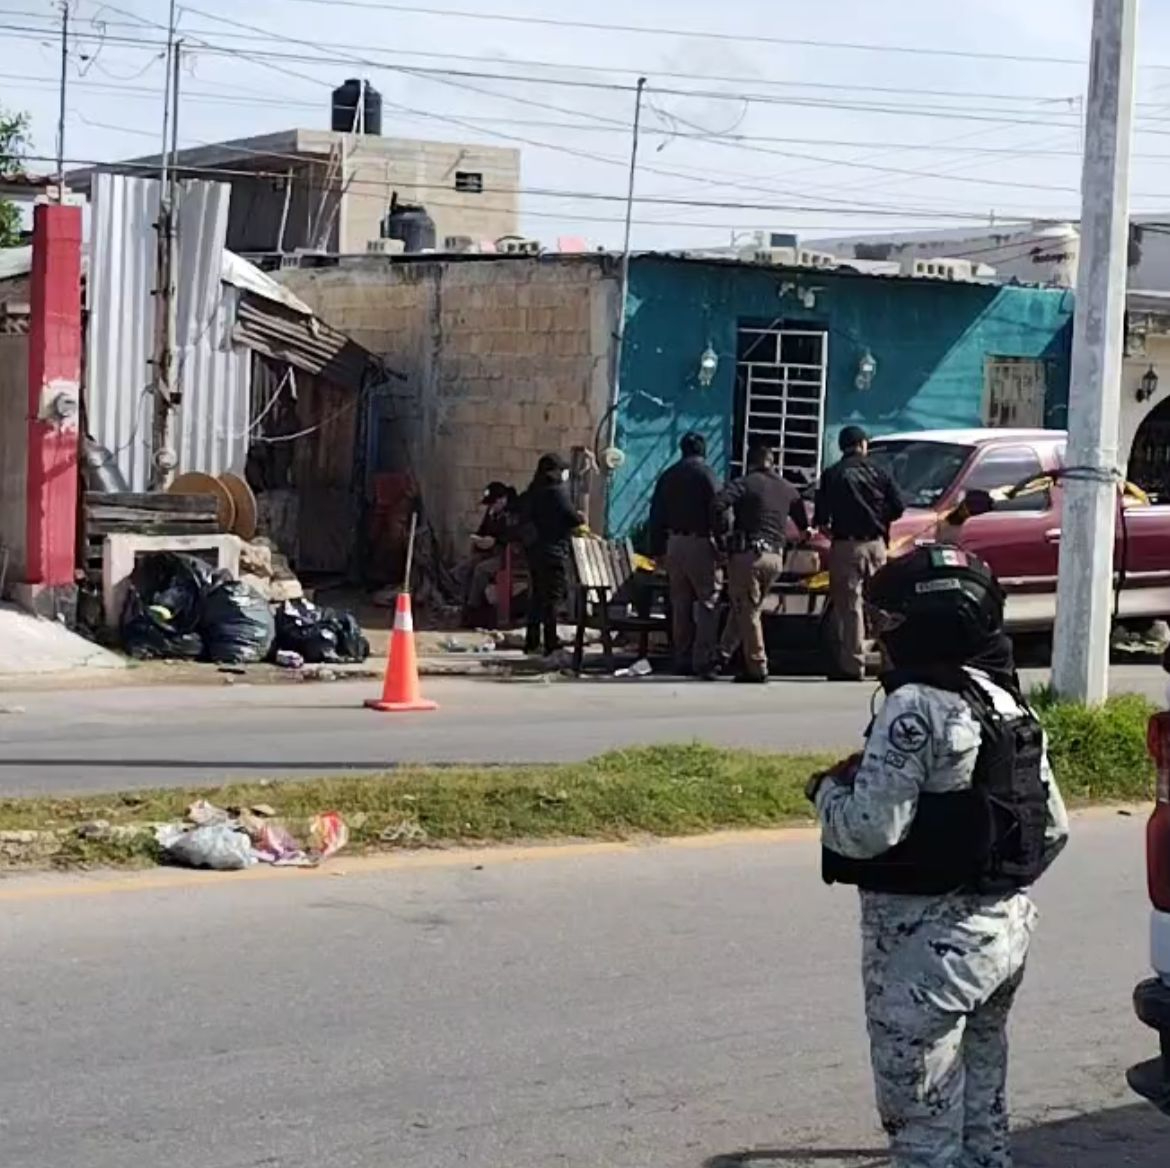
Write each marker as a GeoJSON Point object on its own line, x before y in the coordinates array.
{"type": "Point", "coordinates": [623, 294]}
{"type": "Point", "coordinates": [61, 111]}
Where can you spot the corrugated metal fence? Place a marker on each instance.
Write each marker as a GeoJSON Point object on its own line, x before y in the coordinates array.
{"type": "Point", "coordinates": [213, 374]}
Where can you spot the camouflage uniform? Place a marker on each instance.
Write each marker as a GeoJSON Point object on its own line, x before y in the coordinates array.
{"type": "Point", "coordinates": [940, 972]}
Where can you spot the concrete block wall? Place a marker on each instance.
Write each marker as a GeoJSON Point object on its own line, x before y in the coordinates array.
{"type": "Point", "coordinates": [505, 360]}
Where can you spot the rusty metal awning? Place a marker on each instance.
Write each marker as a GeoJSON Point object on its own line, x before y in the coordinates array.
{"type": "Point", "coordinates": [305, 342]}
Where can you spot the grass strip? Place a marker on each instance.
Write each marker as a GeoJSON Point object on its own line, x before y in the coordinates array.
{"type": "Point", "coordinates": [1099, 755]}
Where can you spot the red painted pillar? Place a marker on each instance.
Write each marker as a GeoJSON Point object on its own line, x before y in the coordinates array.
{"type": "Point", "coordinates": [54, 377]}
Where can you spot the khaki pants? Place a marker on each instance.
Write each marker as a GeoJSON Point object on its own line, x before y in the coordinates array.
{"type": "Point", "coordinates": [694, 600]}
{"type": "Point", "coordinates": [750, 576]}
{"type": "Point", "coordinates": [851, 563]}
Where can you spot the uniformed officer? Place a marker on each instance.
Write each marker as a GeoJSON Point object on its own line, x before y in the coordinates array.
{"type": "Point", "coordinates": [943, 823]}
{"type": "Point", "coordinates": [760, 505]}
{"type": "Point", "coordinates": [680, 529]}
{"type": "Point", "coordinates": [856, 504]}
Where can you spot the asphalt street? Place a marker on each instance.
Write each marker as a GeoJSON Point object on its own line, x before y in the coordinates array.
{"type": "Point", "coordinates": [655, 1007]}
{"type": "Point", "coordinates": [122, 738]}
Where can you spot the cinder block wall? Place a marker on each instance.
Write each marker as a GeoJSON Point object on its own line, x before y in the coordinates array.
{"type": "Point", "coordinates": [505, 360]}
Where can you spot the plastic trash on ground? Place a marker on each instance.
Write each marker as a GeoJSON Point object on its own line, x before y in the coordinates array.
{"type": "Point", "coordinates": [328, 834]}
{"type": "Point", "coordinates": [219, 846]}
{"type": "Point", "coordinates": [640, 668]}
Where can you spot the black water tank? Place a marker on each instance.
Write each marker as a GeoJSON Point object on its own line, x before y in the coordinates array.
{"type": "Point", "coordinates": [410, 223]}
{"type": "Point", "coordinates": [347, 99]}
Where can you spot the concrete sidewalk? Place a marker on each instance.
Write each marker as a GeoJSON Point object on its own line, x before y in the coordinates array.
{"type": "Point", "coordinates": [33, 647]}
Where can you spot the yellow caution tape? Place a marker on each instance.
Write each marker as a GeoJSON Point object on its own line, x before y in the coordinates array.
{"type": "Point", "coordinates": [820, 582]}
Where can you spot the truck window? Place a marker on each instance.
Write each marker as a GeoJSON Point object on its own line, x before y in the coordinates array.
{"type": "Point", "coordinates": [923, 471]}
{"type": "Point", "coordinates": [1005, 467]}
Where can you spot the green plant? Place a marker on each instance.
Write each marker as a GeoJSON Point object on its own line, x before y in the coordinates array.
{"type": "Point", "coordinates": [1099, 753]}
{"type": "Point", "coordinates": [14, 142]}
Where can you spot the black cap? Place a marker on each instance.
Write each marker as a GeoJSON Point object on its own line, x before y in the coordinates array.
{"type": "Point", "coordinates": [850, 438]}
{"type": "Point", "coordinates": [495, 490]}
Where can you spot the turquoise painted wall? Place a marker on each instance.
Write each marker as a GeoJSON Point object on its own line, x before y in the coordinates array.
{"type": "Point", "coordinates": [930, 340]}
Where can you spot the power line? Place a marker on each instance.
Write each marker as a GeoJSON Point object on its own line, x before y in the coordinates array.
{"type": "Point", "coordinates": [699, 34]}
{"type": "Point", "coordinates": [575, 67]}
{"type": "Point", "coordinates": [953, 113]}
{"type": "Point", "coordinates": [511, 97]}
{"type": "Point", "coordinates": [536, 143]}
{"type": "Point", "coordinates": [292, 101]}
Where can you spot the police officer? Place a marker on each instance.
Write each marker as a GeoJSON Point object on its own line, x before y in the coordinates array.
{"type": "Point", "coordinates": [943, 823]}
{"type": "Point", "coordinates": [680, 529]}
{"type": "Point", "coordinates": [856, 504]}
{"type": "Point", "coordinates": [547, 520]}
{"type": "Point", "coordinates": [760, 505]}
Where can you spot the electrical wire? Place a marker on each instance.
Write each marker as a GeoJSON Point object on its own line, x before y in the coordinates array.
{"type": "Point", "coordinates": [578, 67]}
{"type": "Point", "coordinates": [658, 31]}
{"type": "Point", "coordinates": [902, 110]}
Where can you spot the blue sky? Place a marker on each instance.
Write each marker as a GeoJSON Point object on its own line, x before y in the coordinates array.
{"type": "Point", "coordinates": [816, 138]}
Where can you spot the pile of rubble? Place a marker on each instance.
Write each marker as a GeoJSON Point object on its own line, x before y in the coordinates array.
{"type": "Point", "coordinates": [265, 569]}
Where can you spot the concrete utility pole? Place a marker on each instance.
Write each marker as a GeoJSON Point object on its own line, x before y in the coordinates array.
{"type": "Point", "coordinates": [624, 290]}
{"type": "Point", "coordinates": [163, 449]}
{"type": "Point", "coordinates": [1085, 590]}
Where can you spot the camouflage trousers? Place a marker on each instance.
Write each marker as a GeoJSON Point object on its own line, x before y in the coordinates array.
{"type": "Point", "coordinates": [940, 977]}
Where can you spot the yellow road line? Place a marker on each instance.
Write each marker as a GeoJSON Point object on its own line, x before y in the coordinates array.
{"type": "Point", "coordinates": [26, 889]}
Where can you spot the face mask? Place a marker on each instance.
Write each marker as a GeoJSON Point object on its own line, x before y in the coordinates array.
{"type": "Point", "coordinates": [564, 476]}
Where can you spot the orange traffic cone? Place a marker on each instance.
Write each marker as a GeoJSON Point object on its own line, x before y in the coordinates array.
{"type": "Point", "coordinates": [400, 693]}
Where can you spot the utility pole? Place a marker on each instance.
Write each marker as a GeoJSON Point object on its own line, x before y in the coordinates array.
{"type": "Point", "coordinates": [61, 110]}
{"type": "Point", "coordinates": [163, 451]}
{"type": "Point", "coordinates": [624, 292]}
{"type": "Point", "coordinates": [1080, 665]}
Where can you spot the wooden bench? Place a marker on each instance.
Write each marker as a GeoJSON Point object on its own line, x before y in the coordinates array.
{"type": "Point", "coordinates": [605, 575]}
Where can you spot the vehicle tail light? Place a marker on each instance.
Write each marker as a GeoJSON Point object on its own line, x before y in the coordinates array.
{"type": "Point", "coordinates": [1158, 829]}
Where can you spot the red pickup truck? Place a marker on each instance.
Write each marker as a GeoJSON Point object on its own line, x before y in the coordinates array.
{"type": "Point", "coordinates": [1020, 537]}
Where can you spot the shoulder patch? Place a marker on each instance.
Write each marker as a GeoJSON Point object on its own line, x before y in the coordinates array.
{"type": "Point", "coordinates": [909, 733]}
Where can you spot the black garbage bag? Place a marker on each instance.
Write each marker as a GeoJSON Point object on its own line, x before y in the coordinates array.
{"type": "Point", "coordinates": [148, 636]}
{"type": "Point", "coordinates": [319, 635]}
{"type": "Point", "coordinates": [163, 607]}
{"type": "Point", "coordinates": [237, 624]}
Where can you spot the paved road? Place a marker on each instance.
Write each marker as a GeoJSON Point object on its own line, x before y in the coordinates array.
{"type": "Point", "coordinates": [117, 739]}
{"type": "Point", "coordinates": [648, 1008]}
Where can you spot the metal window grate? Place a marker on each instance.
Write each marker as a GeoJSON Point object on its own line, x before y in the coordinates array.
{"type": "Point", "coordinates": [469, 182]}
{"type": "Point", "coordinates": [780, 388]}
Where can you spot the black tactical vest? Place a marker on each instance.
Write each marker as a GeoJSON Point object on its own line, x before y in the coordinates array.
{"type": "Point", "coordinates": [987, 839]}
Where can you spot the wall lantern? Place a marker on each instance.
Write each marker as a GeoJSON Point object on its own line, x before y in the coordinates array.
{"type": "Point", "coordinates": [866, 370]}
{"type": "Point", "coordinates": [708, 363]}
{"type": "Point", "coordinates": [1149, 385]}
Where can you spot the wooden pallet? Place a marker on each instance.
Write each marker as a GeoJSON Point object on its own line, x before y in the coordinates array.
{"type": "Point", "coordinates": [142, 514]}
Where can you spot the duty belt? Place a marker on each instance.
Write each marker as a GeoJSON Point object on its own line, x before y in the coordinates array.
{"type": "Point", "coordinates": [762, 547]}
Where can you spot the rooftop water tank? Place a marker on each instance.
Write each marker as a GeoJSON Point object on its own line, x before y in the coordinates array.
{"type": "Point", "coordinates": [410, 223]}
{"type": "Point", "coordinates": [348, 101]}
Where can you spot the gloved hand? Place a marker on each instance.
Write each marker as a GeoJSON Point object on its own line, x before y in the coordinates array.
{"type": "Point", "coordinates": [841, 772]}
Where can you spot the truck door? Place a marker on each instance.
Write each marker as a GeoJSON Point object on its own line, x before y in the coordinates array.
{"type": "Point", "coordinates": [1020, 539]}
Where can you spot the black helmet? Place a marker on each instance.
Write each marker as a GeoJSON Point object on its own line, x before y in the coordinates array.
{"type": "Point", "coordinates": [943, 601]}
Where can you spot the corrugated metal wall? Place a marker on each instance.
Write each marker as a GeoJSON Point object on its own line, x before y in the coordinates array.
{"type": "Point", "coordinates": [214, 375]}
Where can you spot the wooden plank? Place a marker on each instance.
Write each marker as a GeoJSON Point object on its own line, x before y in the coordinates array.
{"type": "Point", "coordinates": [582, 561]}
{"type": "Point", "coordinates": [154, 502]}
{"type": "Point", "coordinates": [159, 527]}
{"type": "Point", "coordinates": [99, 515]}
{"type": "Point", "coordinates": [603, 574]}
